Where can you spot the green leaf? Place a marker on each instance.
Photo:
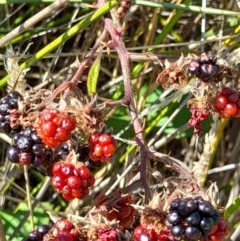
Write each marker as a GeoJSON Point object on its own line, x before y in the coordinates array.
{"type": "Point", "coordinates": [93, 75]}
{"type": "Point", "coordinates": [11, 220]}
{"type": "Point", "coordinates": [232, 208]}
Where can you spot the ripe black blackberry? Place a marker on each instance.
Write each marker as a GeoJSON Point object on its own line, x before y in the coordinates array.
{"type": "Point", "coordinates": [205, 68]}
{"type": "Point", "coordinates": [9, 115]}
{"type": "Point", "coordinates": [28, 148]}
{"type": "Point", "coordinates": [192, 218]}
{"type": "Point", "coordinates": [37, 235]}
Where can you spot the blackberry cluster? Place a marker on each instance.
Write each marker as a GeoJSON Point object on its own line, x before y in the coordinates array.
{"type": "Point", "coordinates": [63, 230]}
{"type": "Point", "coordinates": [102, 146]}
{"type": "Point", "coordinates": [198, 115]}
{"type": "Point", "coordinates": [28, 148]}
{"type": "Point", "coordinates": [8, 119]}
{"type": "Point", "coordinates": [55, 127]}
{"type": "Point", "coordinates": [192, 218]}
{"type": "Point", "coordinates": [148, 233]}
{"type": "Point", "coordinates": [205, 68]}
{"type": "Point", "coordinates": [227, 103]}
{"type": "Point", "coordinates": [38, 234]}
{"type": "Point", "coordinates": [72, 181]}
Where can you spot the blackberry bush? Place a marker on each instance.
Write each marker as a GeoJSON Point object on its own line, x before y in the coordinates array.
{"type": "Point", "coordinates": [66, 125]}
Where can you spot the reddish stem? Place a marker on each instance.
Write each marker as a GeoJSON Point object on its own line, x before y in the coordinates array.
{"type": "Point", "coordinates": [123, 55]}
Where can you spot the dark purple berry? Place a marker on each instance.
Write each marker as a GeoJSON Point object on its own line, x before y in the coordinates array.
{"type": "Point", "coordinates": [206, 225]}
{"type": "Point", "coordinates": [175, 203]}
{"type": "Point", "coordinates": [198, 199]}
{"type": "Point", "coordinates": [38, 161]}
{"type": "Point", "coordinates": [186, 207]}
{"type": "Point", "coordinates": [208, 71]}
{"type": "Point", "coordinates": [173, 217]}
{"type": "Point", "coordinates": [193, 219]}
{"type": "Point", "coordinates": [28, 131]}
{"type": "Point", "coordinates": [216, 217]}
{"type": "Point", "coordinates": [35, 138]}
{"type": "Point", "coordinates": [206, 207]}
{"type": "Point", "coordinates": [177, 231]}
{"type": "Point", "coordinates": [35, 236]}
{"type": "Point", "coordinates": [13, 154]}
{"type": "Point", "coordinates": [213, 59]}
{"type": "Point", "coordinates": [39, 149]}
{"type": "Point", "coordinates": [194, 67]}
{"type": "Point", "coordinates": [22, 142]}
{"type": "Point", "coordinates": [64, 150]}
{"type": "Point", "coordinates": [193, 233]}
{"type": "Point", "coordinates": [4, 108]}
{"type": "Point", "coordinates": [5, 126]}
{"type": "Point", "coordinates": [14, 95]}
{"type": "Point", "coordinates": [12, 104]}
{"type": "Point", "coordinates": [43, 229]}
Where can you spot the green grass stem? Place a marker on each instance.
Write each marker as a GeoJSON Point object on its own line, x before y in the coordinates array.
{"type": "Point", "coordinates": [64, 37]}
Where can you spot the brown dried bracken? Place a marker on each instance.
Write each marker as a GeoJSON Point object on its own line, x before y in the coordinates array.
{"type": "Point", "coordinates": [154, 217]}
{"type": "Point", "coordinates": [201, 103]}
{"type": "Point", "coordinates": [174, 77]}
{"type": "Point", "coordinates": [88, 117]}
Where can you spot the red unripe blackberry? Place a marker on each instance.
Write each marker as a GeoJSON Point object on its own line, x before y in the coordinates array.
{"type": "Point", "coordinates": [63, 224]}
{"type": "Point", "coordinates": [72, 182]}
{"type": "Point", "coordinates": [93, 139]}
{"type": "Point", "coordinates": [226, 103]}
{"type": "Point", "coordinates": [55, 127]}
{"type": "Point", "coordinates": [104, 139]}
{"type": "Point", "coordinates": [102, 146]}
{"type": "Point", "coordinates": [64, 230]}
